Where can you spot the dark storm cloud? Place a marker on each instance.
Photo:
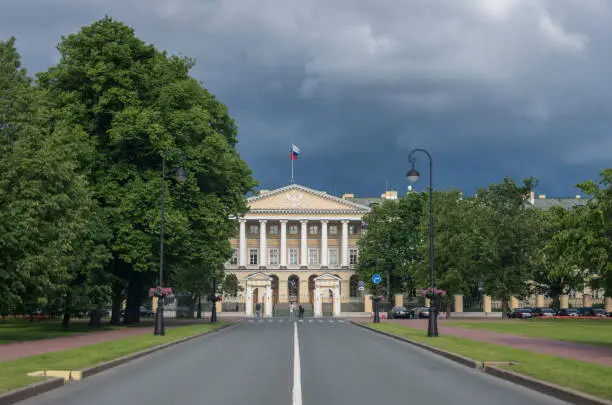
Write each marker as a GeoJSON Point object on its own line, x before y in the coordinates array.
{"type": "Point", "coordinates": [491, 88]}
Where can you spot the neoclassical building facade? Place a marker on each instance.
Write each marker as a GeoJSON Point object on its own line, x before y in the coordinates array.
{"type": "Point", "coordinates": [297, 245]}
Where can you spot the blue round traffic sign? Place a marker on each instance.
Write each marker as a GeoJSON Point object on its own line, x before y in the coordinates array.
{"type": "Point", "coordinates": [361, 284]}
{"type": "Point", "coordinates": [376, 278]}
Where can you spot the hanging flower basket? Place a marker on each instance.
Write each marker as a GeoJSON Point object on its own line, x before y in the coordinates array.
{"type": "Point", "coordinates": [160, 292]}
{"type": "Point", "coordinates": [432, 293]}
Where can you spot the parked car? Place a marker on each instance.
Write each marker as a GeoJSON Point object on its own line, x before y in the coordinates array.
{"type": "Point", "coordinates": [568, 312]}
{"type": "Point", "coordinates": [399, 312]}
{"type": "Point", "coordinates": [419, 312]}
{"type": "Point", "coordinates": [600, 313]}
{"type": "Point", "coordinates": [542, 312]}
{"type": "Point", "coordinates": [521, 313]}
{"type": "Point", "coordinates": [588, 311]}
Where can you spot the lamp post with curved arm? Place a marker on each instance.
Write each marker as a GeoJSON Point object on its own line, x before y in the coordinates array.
{"type": "Point", "coordinates": [179, 176]}
{"type": "Point", "coordinates": [413, 176]}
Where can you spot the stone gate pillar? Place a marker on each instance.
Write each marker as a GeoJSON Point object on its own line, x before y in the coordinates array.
{"type": "Point", "coordinates": [268, 301]}
{"type": "Point", "coordinates": [318, 310]}
{"type": "Point", "coordinates": [249, 301]}
{"type": "Point", "coordinates": [337, 301]}
{"type": "Point", "coordinates": [458, 302]}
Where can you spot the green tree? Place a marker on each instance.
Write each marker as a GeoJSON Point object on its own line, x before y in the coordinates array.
{"type": "Point", "coordinates": [509, 233]}
{"type": "Point", "coordinates": [391, 243]}
{"type": "Point", "coordinates": [556, 269]}
{"type": "Point", "coordinates": [596, 254]}
{"type": "Point", "coordinates": [45, 204]}
{"type": "Point", "coordinates": [456, 244]}
{"type": "Point", "coordinates": [140, 106]}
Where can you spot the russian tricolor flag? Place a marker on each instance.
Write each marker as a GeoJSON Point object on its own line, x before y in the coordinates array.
{"type": "Point", "coordinates": [295, 151]}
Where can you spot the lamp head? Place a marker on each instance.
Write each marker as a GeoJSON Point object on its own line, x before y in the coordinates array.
{"type": "Point", "coordinates": [413, 175]}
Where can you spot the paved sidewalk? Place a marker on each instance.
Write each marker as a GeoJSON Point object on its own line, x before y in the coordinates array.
{"type": "Point", "coordinates": [578, 351]}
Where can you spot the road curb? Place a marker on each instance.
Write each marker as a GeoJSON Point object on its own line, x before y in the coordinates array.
{"type": "Point", "coordinates": [32, 390]}
{"type": "Point", "coordinates": [451, 356]}
{"type": "Point", "coordinates": [12, 397]}
{"type": "Point", "coordinates": [553, 390]}
{"type": "Point", "coordinates": [566, 394]}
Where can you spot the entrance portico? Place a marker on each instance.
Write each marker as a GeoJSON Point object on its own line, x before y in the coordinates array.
{"type": "Point", "coordinates": [254, 282]}
{"type": "Point", "coordinates": [323, 283]}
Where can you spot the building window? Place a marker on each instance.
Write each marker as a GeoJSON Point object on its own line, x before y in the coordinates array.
{"type": "Point", "coordinates": [333, 229]}
{"type": "Point", "coordinates": [353, 229]}
{"type": "Point", "coordinates": [313, 256]}
{"type": "Point", "coordinates": [293, 229]}
{"type": "Point", "coordinates": [234, 257]}
{"type": "Point", "coordinates": [314, 229]}
{"type": "Point", "coordinates": [352, 257]}
{"type": "Point", "coordinates": [273, 229]}
{"type": "Point", "coordinates": [332, 255]}
{"type": "Point", "coordinates": [273, 256]}
{"type": "Point", "coordinates": [293, 256]}
{"type": "Point", "coordinates": [253, 256]}
{"type": "Point", "coordinates": [253, 228]}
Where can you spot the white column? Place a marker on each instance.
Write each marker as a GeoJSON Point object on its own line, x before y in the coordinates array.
{"type": "Point", "coordinates": [268, 301]}
{"type": "Point", "coordinates": [324, 260]}
{"type": "Point", "coordinates": [249, 301]}
{"type": "Point", "coordinates": [243, 243]}
{"type": "Point", "coordinates": [337, 301]}
{"type": "Point", "coordinates": [283, 246]}
{"type": "Point", "coordinates": [317, 305]}
{"type": "Point", "coordinates": [304, 243]}
{"type": "Point", "coordinates": [345, 259]}
{"type": "Point", "coordinates": [262, 243]}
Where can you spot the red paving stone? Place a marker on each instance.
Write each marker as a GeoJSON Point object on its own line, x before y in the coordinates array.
{"type": "Point", "coordinates": [579, 351]}
{"type": "Point", "coordinates": [18, 350]}
{"type": "Point", "coordinates": [11, 351]}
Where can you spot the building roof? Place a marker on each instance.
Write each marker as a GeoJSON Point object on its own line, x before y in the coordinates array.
{"type": "Point", "coordinates": [367, 201]}
{"type": "Point", "coordinates": [568, 203]}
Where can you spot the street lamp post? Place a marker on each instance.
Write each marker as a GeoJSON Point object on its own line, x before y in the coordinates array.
{"type": "Point", "coordinates": [413, 176]}
{"type": "Point", "coordinates": [213, 311]}
{"type": "Point", "coordinates": [180, 176]}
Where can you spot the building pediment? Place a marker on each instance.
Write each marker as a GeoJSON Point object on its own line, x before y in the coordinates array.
{"type": "Point", "coordinates": [327, 277]}
{"type": "Point", "coordinates": [296, 198]}
{"type": "Point", "coordinates": [258, 277]}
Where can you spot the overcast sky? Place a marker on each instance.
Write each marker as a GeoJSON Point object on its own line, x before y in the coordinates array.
{"type": "Point", "coordinates": [490, 87]}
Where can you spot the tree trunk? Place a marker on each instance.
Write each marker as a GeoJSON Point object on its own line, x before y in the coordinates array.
{"type": "Point", "coordinates": [67, 305]}
{"type": "Point", "coordinates": [504, 308]}
{"type": "Point", "coordinates": [66, 320]}
{"type": "Point", "coordinates": [134, 299]}
{"type": "Point", "coordinates": [556, 302]}
{"type": "Point", "coordinates": [95, 317]}
{"type": "Point", "coordinates": [199, 306]}
{"type": "Point", "coordinates": [117, 300]}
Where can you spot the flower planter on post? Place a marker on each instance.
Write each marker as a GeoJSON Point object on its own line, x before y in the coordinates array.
{"type": "Point", "coordinates": [160, 293]}
{"type": "Point", "coordinates": [434, 295]}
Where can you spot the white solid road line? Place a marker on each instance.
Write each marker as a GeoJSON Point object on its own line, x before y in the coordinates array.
{"type": "Point", "coordinates": [297, 372]}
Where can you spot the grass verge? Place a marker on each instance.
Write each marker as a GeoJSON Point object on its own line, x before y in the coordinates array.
{"type": "Point", "coordinates": [580, 375]}
{"type": "Point", "coordinates": [17, 330]}
{"type": "Point", "coordinates": [13, 372]}
{"type": "Point", "coordinates": [595, 332]}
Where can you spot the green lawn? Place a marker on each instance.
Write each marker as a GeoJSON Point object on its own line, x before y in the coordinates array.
{"type": "Point", "coordinates": [13, 373]}
{"type": "Point", "coordinates": [18, 330]}
{"type": "Point", "coordinates": [586, 377]}
{"type": "Point", "coordinates": [598, 332]}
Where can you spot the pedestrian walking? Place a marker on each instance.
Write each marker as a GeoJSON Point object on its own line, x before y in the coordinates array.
{"type": "Point", "coordinates": [301, 312]}
{"type": "Point", "coordinates": [258, 309]}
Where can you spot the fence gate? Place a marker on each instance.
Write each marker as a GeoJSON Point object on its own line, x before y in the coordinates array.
{"type": "Point", "coordinates": [327, 308]}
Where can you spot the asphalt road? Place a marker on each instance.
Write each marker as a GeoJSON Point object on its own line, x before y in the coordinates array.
{"type": "Point", "coordinates": [255, 363]}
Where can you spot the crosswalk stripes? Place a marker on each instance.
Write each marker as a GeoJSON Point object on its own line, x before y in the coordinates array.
{"type": "Point", "coordinates": [291, 321]}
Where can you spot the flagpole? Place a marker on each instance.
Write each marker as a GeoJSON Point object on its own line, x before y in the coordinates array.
{"type": "Point", "coordinates": [292, 182]}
